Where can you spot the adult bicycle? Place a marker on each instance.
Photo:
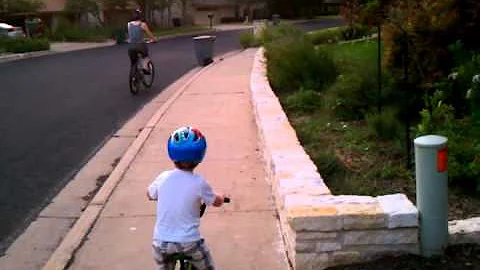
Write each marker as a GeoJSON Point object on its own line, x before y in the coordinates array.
{"type": "Point", "coordinates": [141, 78]}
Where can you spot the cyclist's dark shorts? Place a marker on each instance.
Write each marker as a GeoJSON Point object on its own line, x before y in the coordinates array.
{"type": "Point", "coordinates": [135, 49]}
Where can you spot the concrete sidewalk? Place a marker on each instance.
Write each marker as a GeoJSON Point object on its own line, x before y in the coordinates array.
{"type": "Point", "coordinates": [242, 235]}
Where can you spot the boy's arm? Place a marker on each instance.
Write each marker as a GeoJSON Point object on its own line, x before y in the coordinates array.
{"type": "Point", "coordinates": [218, 200]}
{"type": "Point", "coordinates": [147, 30]}
{"type": "Point", "coordinates": [209, 197]}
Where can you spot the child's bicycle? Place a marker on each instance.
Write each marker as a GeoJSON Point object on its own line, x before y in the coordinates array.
{"type": "Point", "coordinates": [139, 78]}
{"type": "Point", "coordinates": [181, 259]}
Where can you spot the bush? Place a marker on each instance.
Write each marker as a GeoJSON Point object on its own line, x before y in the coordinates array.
{"type": "Point", "coordinates": [67, 31]}
{"type": "Point", "coordinates": [23, 45]}
{"type": "Point", "coordinates": [294, 63]}
{"type": "Point", "coordinates": [463, 142]}
{"type": "Point", "coordinates": [247, 40]}
{"type": "Point", "coordinates": [303, 101]}
{"type": "Point", "coordinates": [282, 31]}
{"type": "Point", "coordinates": [329, 35]}
{"type": "Point", "coordinates": [384, 125]}
{"type": "Point", "coordinates": [357, 31]}
{"type": "Point", "coordinates": [354, 94]}
{"type": "Point", "coordinates": [81, 34]}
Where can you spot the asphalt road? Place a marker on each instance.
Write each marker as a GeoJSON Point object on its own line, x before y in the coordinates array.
{"type": "Point", "coordinates": [56, 110]}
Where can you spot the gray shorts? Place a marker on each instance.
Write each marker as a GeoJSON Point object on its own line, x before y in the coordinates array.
{"type": "Point", "coordinates": [198, 253]}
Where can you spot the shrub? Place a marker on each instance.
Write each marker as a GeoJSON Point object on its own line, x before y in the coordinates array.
{"type": "Point", "coordinates": [355, 91]}
{"type": "Point", "coordinates": [247, 40]}
{"type": "Point", "coordinates": [384, 125]}
{"type": "Point", "coordinates": [79, 34]}
{"type": "Point", "coordinates": [355, 94]}
{"type": "Point", "coordinates": [67, 31]}
{"type": "Point", "coordinates": [282, 31]}
{"type": "Point", "coordinates": [303, 101]}
{"type": "Point", "coordinates": [356, 31]}
{"type": "Point", "coordinates": [294, 63]}
{"type": "Point", "coordinates": [23, 45]}
{"type": "Point", "coordinates": [463, 142]}
{"type": "Point", "coordinates": [329, 35]}
{"type": "Point", "coordinates": [328, 164]}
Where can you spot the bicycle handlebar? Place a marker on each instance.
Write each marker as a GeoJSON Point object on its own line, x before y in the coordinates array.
{"type": "Point", "coordinates": [203, 207]}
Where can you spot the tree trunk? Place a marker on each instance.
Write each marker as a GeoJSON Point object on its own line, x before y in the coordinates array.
{"type": "Point", "coordinates": [169, 14]}
{"type": "Point", "coordinates": [184, 10]}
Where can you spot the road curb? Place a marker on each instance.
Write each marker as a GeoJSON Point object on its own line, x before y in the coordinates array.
{"type": "Point", "coordinates": [19, 56]}
{"type": "Point", "coordinates": [63, 255]}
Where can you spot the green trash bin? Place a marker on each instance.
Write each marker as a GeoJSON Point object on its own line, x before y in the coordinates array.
{"type": "Point", "coordinates": [204, 49]}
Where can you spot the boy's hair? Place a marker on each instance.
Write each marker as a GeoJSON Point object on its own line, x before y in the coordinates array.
{"type": "Point", "coordinates": [185, 165]}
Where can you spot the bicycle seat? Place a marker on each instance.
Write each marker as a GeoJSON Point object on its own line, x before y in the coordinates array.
{"type": "Point", "coordinates": [177, 257]}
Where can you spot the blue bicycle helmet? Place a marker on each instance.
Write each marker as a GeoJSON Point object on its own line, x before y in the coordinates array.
{"type": "Point", "coordinates": [187, 144]}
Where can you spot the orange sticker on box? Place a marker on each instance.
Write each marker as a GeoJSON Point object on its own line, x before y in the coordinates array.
{"type": "Point", "coordinates": [442, 160]}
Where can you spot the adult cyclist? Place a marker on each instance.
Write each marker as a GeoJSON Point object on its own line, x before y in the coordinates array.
{"type": "Point", "coordinates": [137, 29]}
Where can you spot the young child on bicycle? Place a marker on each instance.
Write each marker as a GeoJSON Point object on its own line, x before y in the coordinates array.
{"type": "Point", "coordinates": [179, 194]}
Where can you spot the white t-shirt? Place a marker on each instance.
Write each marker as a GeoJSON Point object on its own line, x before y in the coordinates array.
{"type": "Point", "coordinates": [179, 196]}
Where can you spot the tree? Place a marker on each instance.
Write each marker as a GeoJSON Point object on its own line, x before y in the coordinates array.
{"type": "Point", "coordinates": [184, 9]}
{"type": "Point", "coordinates": [19, 6]}
{"type": "Point", "coordinates": [115, 4]}
{"type": "Point", "coordinates": [82, 7]}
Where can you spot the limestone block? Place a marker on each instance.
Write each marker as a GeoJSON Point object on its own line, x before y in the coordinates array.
{"type": "Point", "coordinates": [305, 246]}
{"type": "Point", "coordinates": [310, 261]}
{"type": "Point", "coordinates": [349, 199]}
{"type": "Point", "coordinates": [381, 237]}
{"type": "Point", "coordinates": [320, 219]}
{"type": "Point", "coordinates": [328, 246]}
{"type": "Point", "coordinates": [345, 257]}
{"type": "Point", "coordinates": [464, 231]}
{"type": "Point", "coordinates": [368, 251]}
{"type": "Point", "coordinates": [316, 235]}
{"type": "Point", "coordinates": [400, 211]}
{"type": "Point", "coordinates": [329, 200]}
{"type": "Point", "coordinates": [305, 186]}
{"type": "Point", "coordinates": [362, 216]}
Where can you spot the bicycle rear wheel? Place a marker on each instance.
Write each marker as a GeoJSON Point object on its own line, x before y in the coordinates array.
{"type": "Point", "coordinates": [135, 80]}
{"type": "Point", "coordinates": [149, 76]}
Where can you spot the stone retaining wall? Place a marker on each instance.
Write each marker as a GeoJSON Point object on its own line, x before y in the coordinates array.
{"type": "Point", "coordinates": [322, 229]}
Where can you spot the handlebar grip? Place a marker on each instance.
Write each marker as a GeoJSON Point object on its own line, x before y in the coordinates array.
{"type": "Point", "coordinates": [226, 200]}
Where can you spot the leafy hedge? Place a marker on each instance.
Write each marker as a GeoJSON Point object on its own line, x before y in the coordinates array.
{"type": "Point", "coordinates": [294, 63]}
{"type": "Point", "coordinates": [247, 40]}
{"type": "Point", "coordinates": [336, 34]}
{"type": "Point", "coordinates": [81, 34]}
{"type": "Point", "coordinates": [23, 45]}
